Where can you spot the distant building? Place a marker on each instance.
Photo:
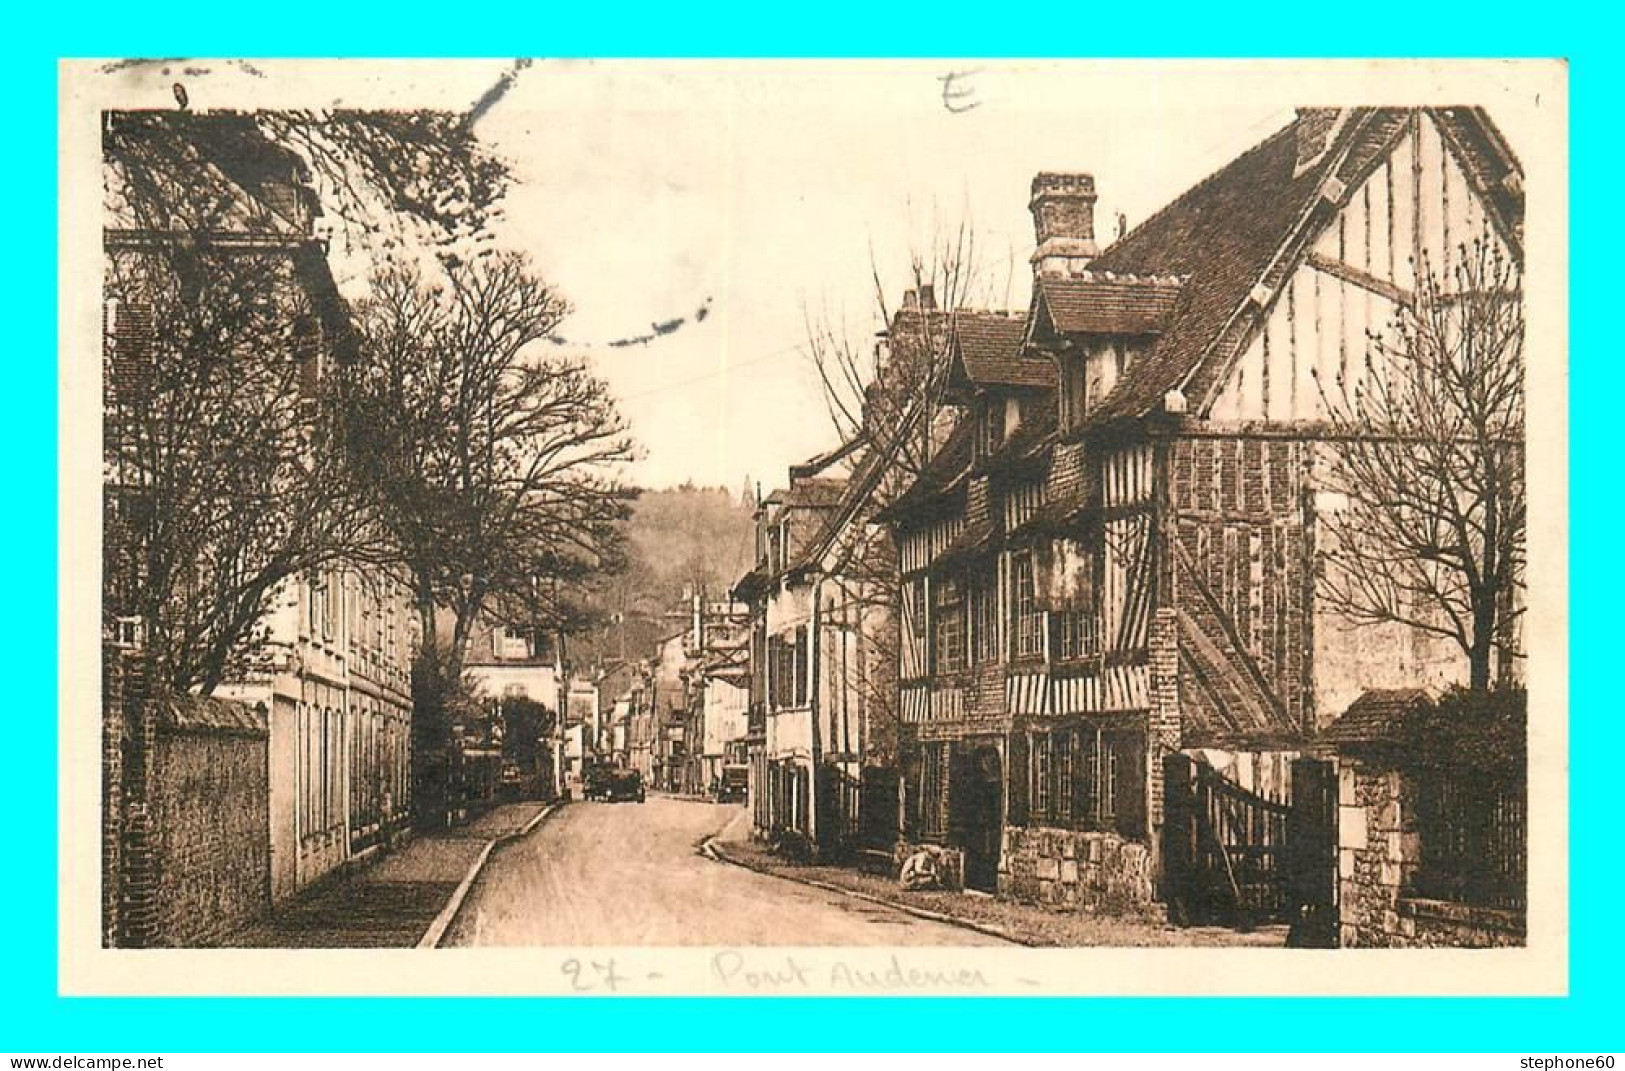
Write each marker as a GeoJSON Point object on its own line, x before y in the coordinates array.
{"type": "Point", "coordinates": [822, 732]}
{"type": "Point", "coordinates": [508, 661]}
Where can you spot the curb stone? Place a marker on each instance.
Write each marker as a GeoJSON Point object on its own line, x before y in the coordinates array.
{"type": "Point", "coordinates": [709, 849]}
{"type": "Point", "coordinates": [437, 929]}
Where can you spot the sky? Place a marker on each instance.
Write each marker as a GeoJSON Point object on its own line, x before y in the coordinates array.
{"type": "Point", "coordinates": [762, 192]}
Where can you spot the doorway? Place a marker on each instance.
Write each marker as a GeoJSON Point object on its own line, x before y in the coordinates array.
{"type": "Point", "coordinates": [979, 815]}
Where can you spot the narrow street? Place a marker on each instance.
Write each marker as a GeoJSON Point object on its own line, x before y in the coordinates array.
{"type": "Point", "coordinates": [632, 874]}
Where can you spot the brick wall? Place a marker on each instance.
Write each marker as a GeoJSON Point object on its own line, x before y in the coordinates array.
{"type": "Point", "coordinates": [1077, 870]}
{"type": "Point", "coordinates": [1067, 476]}
{"type": "Point", "coordinates": [129, 867]}
{"type": "Point", "coordinates": [1378, 852]}
{"type": "Point", "coordinates": [978, 501]}
{"type": "Point", "coordinates": [1240, 522]}
{"type": "Point", "coordinates": [1163, 719]}
{"type": "Point", "coordinates": [984, 697]}
{"type": "Point", "coordinates": [113, 732]}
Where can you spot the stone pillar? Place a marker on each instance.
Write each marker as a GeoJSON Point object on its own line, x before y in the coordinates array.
{"type": "Point", "coordinates": [138, 865]}
{"type": "Point", "coordinates": [1378, 852]}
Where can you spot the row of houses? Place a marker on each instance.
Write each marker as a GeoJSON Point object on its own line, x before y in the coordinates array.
{"type": "Point", "coordinates": [679, 716]}
{"type": "Point", "coordinates": [985, 623]}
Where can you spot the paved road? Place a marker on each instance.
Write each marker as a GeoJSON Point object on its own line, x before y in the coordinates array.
{"type": "Point", "coordinates": [631, 874]}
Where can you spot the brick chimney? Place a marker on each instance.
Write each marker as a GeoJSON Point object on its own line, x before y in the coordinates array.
{"type": "Point", "coordinates": [1063, 208]}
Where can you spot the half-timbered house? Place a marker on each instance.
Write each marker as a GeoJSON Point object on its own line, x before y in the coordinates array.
{"type": "Point", "coordinates": [1136, 574]}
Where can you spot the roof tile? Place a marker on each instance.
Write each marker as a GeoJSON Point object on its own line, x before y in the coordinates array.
{"type": "Point", "coordinates": [1107, 304]}
{"type": "Point", "coordinates": [990, 351]}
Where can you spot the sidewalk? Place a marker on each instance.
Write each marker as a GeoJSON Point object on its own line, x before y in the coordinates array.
{"type": "Point", "coordinates": [1026, 924]}
{"type": "Point", "coordinates": [392, 901]}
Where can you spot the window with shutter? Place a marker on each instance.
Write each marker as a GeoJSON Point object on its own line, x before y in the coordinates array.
{"type": "Point", "coordinates": [800, 653]}
{"type": "Point", "coordinates": [984, 603]}
{"type": "Point", "coordinates": [1041, 790]}
{"type": "Point", "coordinates": [1062, 794]}
{"type": "Point", "coordinates": [992, 426]}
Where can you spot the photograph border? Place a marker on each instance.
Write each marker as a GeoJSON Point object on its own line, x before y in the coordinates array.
{"type": "Point", "coordinates": [768, 1022]}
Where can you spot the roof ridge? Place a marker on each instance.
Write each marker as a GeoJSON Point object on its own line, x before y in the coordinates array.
{"type": "Point", "coordinates": [1200, 186]}
{"type": "Point", "coordinates": [1002, 314]}
{"type": "Point", "coordinates": [1090, 275]}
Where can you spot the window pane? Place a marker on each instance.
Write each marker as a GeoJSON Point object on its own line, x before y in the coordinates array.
{"type": "Point", "coordinates": [1027, 617]}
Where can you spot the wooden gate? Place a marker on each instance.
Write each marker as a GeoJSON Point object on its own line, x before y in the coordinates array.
{"type": "Point", "coordinates": [1236, 858]}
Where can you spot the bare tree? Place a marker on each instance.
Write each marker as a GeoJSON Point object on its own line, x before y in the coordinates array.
{"type": "Point", "coordinates": [223, 476]}
{"type": "Point", "coordinates": [890, 400]}
{"type": "Point", "coordinates": [495, 470]}
{"type": "Point", "coordinates": [386, 176]}
{"type": "Point", "coordinates": [1430, 457]}
{"type": "Point", "coordinates": [222, 479]}
{"type": "Point", "coordinates": [896, 388]}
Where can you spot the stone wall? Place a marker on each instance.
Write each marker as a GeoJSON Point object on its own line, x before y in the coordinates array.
{"type": "Point", "coordinates": [211, 833]}
{"type": "Point", "coordinates": [1163, 721]}
{"type": "Point", "coordinates": [1077, 870]}
{"type": "Point", "coordinates": [1379, 849]}
{"type": "Point", "coordinates": [185, 812]}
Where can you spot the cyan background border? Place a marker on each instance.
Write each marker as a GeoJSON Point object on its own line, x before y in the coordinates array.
{"type": "Point", "coordinates": [33, 1018]}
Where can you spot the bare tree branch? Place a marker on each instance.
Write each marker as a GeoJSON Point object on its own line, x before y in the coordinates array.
{"type": "Point", "coordinates": [1430, 459]}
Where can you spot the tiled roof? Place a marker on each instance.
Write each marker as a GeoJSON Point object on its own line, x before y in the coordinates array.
{"type": "Point", "coordinates": [861, 485]}
{"type": "Point", "coordinates": [1222, 238]}
{"type": "Point", "coordinates": [974, 539]}
{"type": "Point", "coordinates": [1226, 235]}
{"type": "Point", "coordinates": [950, 464]}
{"type": "Point", "coordinates": [814, 465]}
{"type": "Point", "coordinates": [810, 493]}
{"type": "Point", "coordinates": [751, 585]}
{"type": "Point", "coordinates": [1055, 516]}
{"type": "Point", "coordinates": [1098, 303]}
{"type": "Point", "coordinates": [1220, 235]}
{"type": "Point", "coordinates": [1377, 717]}
{"type": "Point", "coordinates": [989, 348]}
{"type": "Point", "coordinates": [208, 714]}
{"type": "Point", "coordinates": [1489, 161]}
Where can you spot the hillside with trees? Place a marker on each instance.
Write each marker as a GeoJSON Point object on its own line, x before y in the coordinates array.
{"type": "Point", "coordinates": [678, 539]}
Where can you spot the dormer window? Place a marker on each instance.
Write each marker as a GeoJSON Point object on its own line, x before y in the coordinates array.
{"type": "Point", "coordinates": [991, 433]}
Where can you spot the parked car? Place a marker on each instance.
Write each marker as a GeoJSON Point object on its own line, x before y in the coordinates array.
{"type": "Point", "coordinates": [732, 786]}
{"type": "Point", "coordinates": [613, 783]}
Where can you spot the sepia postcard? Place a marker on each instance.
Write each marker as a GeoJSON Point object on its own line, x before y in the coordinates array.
{"type": "Point", "coordinates": [866, 527]}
